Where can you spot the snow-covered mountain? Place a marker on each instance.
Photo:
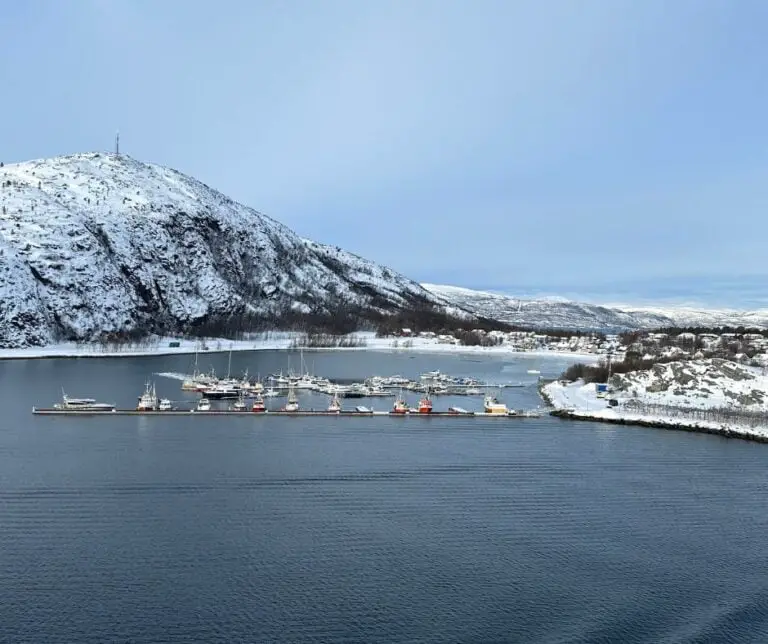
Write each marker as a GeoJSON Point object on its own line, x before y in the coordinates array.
{"type": "Point", "coordinates": [563, 314]}
{"type": "Point", "coordinates": [94, 243]}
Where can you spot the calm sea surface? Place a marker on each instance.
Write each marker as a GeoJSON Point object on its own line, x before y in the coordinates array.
{"type": "Point", "coordinates": [130, 529]}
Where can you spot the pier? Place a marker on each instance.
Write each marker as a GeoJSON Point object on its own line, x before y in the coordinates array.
{"type": "Point", "coordinates": [50, 411]}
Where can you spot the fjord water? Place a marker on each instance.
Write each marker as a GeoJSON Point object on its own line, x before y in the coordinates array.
{"type": "Point", "coordinates": [149, 529]}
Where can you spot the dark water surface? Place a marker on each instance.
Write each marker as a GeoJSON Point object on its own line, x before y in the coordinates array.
{"type": "Point", "coordinates": [131, 529]}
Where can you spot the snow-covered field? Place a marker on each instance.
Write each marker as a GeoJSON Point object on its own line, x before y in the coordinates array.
{"type": "Point", "coordinates": [707, 395]}
{"type": "Point", "coordinates": [272, 341]}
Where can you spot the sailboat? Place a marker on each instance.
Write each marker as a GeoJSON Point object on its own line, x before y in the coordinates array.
{"type": "Point", "coordinates": [293, 401]}
{"type": "Point", "coordinates": [335, 405]}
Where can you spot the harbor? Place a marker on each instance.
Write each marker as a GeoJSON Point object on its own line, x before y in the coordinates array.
{"type": "Point", "coordinates": [304, 394]}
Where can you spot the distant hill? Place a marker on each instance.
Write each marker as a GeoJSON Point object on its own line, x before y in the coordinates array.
{"type": "Point", "coordinates": [563, 314]}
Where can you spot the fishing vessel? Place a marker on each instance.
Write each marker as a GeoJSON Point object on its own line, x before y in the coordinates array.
{"type": "Point", "coordinates": [425, 404]}
{"type": "Point", "coordinates": [491, 405]}
{"type": "Point", "coordinates": [400, 406]}
{"type": "Point", "coordinates": [148, 400]}
{"type": "Point", "coordinates": [239, 404]}
{"type": "Point", "coordinates": [258, 405]}
{"type": "Point", "coordinates": [82, 404]}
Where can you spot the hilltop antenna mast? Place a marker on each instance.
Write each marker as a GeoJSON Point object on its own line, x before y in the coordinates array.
{"type": "Point", "coordinates": [117, 142]}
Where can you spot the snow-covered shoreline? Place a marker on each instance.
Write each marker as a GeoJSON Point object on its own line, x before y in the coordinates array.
{"type": "Point", "coordinates": [579, 401]}
{"type": "Point", "coordinates": [273, 342]}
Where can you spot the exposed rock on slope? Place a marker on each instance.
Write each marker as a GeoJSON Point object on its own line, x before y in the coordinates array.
{"type": "Point", "coordinates": [702, 384]}
{"type": "Point", "coordinates": [95, 243]}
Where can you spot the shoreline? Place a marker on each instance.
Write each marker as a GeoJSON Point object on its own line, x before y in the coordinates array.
{"type": "Point", "coordinates": [694, 428]}
{"type": "Point", "coordinates": [220, 345]}
{"type": "Point", "coordinates": [577, 402]}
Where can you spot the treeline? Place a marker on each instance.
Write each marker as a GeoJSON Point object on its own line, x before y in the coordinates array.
{"type": "Point", "coordinates": [327, 341]}
{"type": "Point", "coordinates": [474, 339]}
{"type": "Point", "coordinates": [599, 373]}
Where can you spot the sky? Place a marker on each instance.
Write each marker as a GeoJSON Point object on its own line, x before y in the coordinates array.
{"type": "Point", "coordinates": [582, 147]}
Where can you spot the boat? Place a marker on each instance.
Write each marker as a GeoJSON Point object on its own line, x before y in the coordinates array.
{"type": "Point", "coordinates": [239, 404]}
{"type": "Point", "coordinates": [82, 404]}
{"type": "Point", "coordinates": [271, 393]}
{"type": "Point", "coordinates": [203, 405]}
{"type": "Point", "coordinates": [491, 405]}
{"type": "Point", "coordinates": [425, 404]}
{"type": "Point", "coordinates": [221, 391]}
{"type": "Point", "coordinates": [293, 402]}
{"type": "Point", "coordinates": [459, 410]}
{"type": "Point", "coordinates": [335, 404]}
{"type": "Point", "coordinates": [258, 405]}
{"type": "Point", "coordinates": [400, 406]}
{"type": "Point", "coordinates": [148, 400]}
{"type": "Point", "coordinates": [534, 371]}
{"type": "Point", "coordinates": [165, 405]}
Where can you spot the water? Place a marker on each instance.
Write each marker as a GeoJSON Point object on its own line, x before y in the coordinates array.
{"type": "Point", "coordinates": [367, 530]}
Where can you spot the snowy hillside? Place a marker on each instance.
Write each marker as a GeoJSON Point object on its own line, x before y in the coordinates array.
{"type": "Point", "coordinates": [562, 314]}
{"type": "Point", "coordinates": [97, 242]}
{"type": "Point", "coordinates": [700, 384]}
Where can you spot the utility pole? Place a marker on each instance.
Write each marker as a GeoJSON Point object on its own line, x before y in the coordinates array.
{"type": "Point", "coordinates": [117, 142]}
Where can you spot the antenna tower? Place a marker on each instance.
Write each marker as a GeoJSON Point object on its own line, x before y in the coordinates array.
{"type": "Point", "coordinates": [117, 142]}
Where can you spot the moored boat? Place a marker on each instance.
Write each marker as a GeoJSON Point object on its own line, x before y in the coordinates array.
{"type": "Point", "coordinates": [335, 404]}
{"type": "Point", "coordinates": [425, 404]}
{"type": "Point", "coordinates": [491, 405]}
{"type": "Point", "coordinates": [148, 400]}
{"type": "Point", "coordinates": [203, 405]}
{"type": "Point", "coordinates": [165, 405]}
{"type": "Point", "coordinates": [293, 402]}
{"type": "Point", "coordinates": [400, 406]}
{"type": "Point", "coordinates": [82, 404]}
{"type": "Point", "coordinates": [258, 405]}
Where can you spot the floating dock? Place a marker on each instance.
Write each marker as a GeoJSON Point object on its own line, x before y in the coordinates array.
{"type": "Point", "coordinates": [225, 412]}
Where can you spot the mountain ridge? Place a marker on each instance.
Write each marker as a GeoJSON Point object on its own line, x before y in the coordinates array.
{"type": "Point", "coordinates": [97, 243]}
{"type": "Point", "coordinates": [560, 313]}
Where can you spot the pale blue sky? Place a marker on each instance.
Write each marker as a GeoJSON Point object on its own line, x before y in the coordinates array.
{"type": "Point", "coordinates": [556, 146]}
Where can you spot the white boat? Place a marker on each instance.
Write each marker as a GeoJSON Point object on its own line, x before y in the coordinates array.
{"type": "Point", "coordinates": [203, 405]}
{"type": "Point", "coordinates": [148, 400]}
{"type": "Point", "coordinates": [82, 404]}
{"type": "Point", "coordinates": [534, 371]}
{"type": "Point", "coordinates": [165, 405]}
{"type": "Point", "coordinates": [271, 393]}
{"type": "Point", "coordinates": [335, 404]}
{"type": "Point", "coordinates": [293, 402]}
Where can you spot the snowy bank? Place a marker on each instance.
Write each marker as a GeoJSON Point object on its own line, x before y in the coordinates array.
{"type": "Point", "coordinates": [730, 405]}
{"type": "Point", "coordinates": [273, 341]}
